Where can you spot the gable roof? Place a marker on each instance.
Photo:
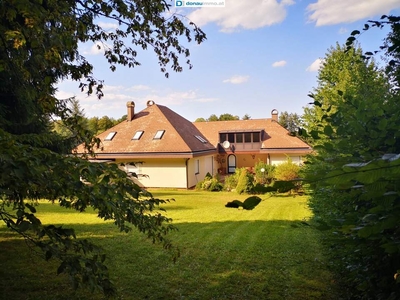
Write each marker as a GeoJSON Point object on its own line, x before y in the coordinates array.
{"type": "Point", "coordinates": [179, 138]}
{"type": "Point", "coordinates": [274, 137]}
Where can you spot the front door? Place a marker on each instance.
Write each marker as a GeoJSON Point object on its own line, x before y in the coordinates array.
{"type": "Point", "coordinates": [231, 163]}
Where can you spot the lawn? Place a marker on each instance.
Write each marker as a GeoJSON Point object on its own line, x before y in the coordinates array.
{"type": "Point", "coordinates": [226, 253]}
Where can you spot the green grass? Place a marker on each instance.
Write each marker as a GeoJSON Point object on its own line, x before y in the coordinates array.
{"type": "Point", "coordinates": [226, 253]}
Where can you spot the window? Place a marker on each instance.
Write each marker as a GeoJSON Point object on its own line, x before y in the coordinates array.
{"type": "Point", "coordinates": [231, 137]}
{"type": "Point", "coordinates": [159, 135]}
{"type": "Point", "coordinates": [138, 135]}
{"type": "Point", "coordinates": [239, 137]}
{"type": "Point", "coordinates": [247, 137]}
{"type": "Point", "coordinates": [197, 167]}
{"type": "Point", "coordinates": [222, 137]}
{"type": "Point", "coordinates": [256, 137]}
{"type": "Point", "coordinates": [201, 139]}
{"type": "Point", "coordinates": [110, 136]}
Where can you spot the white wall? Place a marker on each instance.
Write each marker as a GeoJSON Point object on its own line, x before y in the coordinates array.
{"type": "Point", "coordinates": [276, 159]}
{"type": "Point", "coordinates": [169, 172]}
{"type": "Point", "coordinates": [206, 165]}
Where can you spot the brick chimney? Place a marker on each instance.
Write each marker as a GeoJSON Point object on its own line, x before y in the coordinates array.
{"type": "Point", "coordinates": [274, 115]}
{"type": "Point", "coordinates": [130, 105]}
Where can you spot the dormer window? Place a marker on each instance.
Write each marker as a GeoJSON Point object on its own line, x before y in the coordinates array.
{"type": "Point", "coordinates": [201, 139]}
{"type": "Point", "coordinates": [110, 136]}
{"type": "Point", "coordinates": [138, 135]}
{"type": "Point", "coordinates": [159, 135]}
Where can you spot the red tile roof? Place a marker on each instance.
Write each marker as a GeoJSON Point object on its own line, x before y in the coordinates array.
{"type": "Point", "coordinates": [179, 139]}
{"type": "Point", "coordinates": [274, 136]}
{"type": "Point", "coordinates": [179, 136]}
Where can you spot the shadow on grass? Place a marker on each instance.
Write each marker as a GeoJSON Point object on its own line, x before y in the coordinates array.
{"type": "Point", "coordinates": [219, 260]}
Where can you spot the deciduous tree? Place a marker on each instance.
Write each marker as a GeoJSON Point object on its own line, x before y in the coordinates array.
{"type": "Point", "coordinates": [355, 175]}
{"type": "Point", "coordinates": [38, 48]}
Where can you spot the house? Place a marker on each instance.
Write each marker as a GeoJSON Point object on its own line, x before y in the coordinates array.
{"type": "Point", "coordinates": [174, 152]}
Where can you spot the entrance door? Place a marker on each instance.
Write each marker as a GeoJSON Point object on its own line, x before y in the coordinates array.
{"type": "Point", "coordinates": [231, 163]}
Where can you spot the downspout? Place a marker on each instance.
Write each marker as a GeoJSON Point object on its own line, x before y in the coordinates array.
{"type": "Point", "coordinates": [187, 173]}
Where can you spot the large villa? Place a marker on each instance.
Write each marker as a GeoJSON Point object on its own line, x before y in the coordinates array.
{"type": "Point", "coordinates": [174, 152]}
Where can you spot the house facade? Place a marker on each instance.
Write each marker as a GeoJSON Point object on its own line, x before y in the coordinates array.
{"type": "Point", "coordinates": [166, 150]}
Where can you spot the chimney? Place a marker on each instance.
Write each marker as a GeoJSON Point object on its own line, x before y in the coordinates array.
{"type": "Point", "coordinates": [130, 105]}
{"type": "Point", "coordinates": [274, 115]}
{"type": "Point", "coordinates": [150, 103]}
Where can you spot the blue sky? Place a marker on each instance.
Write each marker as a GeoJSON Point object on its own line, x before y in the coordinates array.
{"type": "Point", "coordinates": [259, 55]}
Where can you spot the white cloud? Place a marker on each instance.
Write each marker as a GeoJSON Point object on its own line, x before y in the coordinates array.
{"type": "Point", "coordinates": [177, 98]}
{"type": "Point", "coordinates": [331, 12]}
{"type": "Point", "coordinates": [243, 14]}
{"type": "Point", "coordinates": [96, 49]}
{"type": "Point", "coordinates": [280, 63]}
{"type": "Point", "coordinates": [138, 87]}
{"type": "Point", "coordinates": [237, 79]}
{"type": "Point", "coordinates": [314, 67]}
{"type": "Point", "coordinates": [108, 25]}
{"type": "Point", "coordinates": [343, 30]}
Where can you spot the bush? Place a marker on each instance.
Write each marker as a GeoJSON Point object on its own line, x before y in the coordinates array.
{"type": "Point", "coordinates": [264, 177]}
{"type": "Point", "coordinates": [287, 171]}
{"type": "Point", "coordinates": [245, 182]}
{"type": "Point", "coordinates": [231, 181]}
{"type": "Point", "coordinates": [209, 184]}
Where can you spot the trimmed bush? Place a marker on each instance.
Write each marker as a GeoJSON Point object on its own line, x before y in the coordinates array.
{"type": "Point", "coordinates": [245, 182]}
{"type": "Point", "coordinates": [287, 171]}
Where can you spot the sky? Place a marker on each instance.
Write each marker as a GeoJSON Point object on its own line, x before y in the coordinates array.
{"type": "Point", "coordinates": [259, 55]}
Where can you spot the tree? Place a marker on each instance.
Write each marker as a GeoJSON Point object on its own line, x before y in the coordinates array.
{"type": "Point", "coordinates": [200, 120]}
{"type": "Point", "coordinates": [354, 176]}
{"type": "Point", "coordinates": [227, 117]}
{"type": "Point", "coordinates": [213, 118]}
{"type": "Point", "coordinates": [222, 117]}
{"type": "Point", "coordinates": [246, 117]}
{"type": "Point", "coordinates": [349, 98]}
{"type": "Point", "coordinates": [39, 47]}
{"type": "Point", "coordinates": [291, 121]}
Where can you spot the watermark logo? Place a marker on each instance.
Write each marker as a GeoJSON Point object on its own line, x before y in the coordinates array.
{"type": "Point", "coordinates": [179, 3]}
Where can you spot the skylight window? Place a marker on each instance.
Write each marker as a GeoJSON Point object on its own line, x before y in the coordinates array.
{"type": "Point", "coordinates": [159, 135]}
{"type": "Point", "coordinates": [110, 136]}
{"type": "Point", "coordinates": [201, 139]}
{"type": "Point", "coordinates": [138, 135]}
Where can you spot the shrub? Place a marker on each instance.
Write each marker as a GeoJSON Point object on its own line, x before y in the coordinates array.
{"type": "Point", "coordinates": [209, 184]}
{"type": "Point", "coordinates": [264, 177]}
{"type": "Point", "coordinates": [231, 181]}
{"type": "Point", "coordinates": [245, 182]}
{"type": "Point", "coordinates": [287, 171]}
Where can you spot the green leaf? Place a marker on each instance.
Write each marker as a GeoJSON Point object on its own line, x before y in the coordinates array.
{"type": "Point", "coordinates": [30, 207]}
{"type": "Point", "coordinates": [24, 226]}
{"type": "Point", "coordinates": [328, 130]}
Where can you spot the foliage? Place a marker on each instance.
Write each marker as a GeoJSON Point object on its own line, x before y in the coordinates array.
{"type": "Point", "coordinates": [291, 121]}
{"type": "Point", "coordinates": [264, 177]}
{"type": "Point", "coordinates": [245, 182]}
{"type": "Point", "coordinates": [40, 48]}
{"type": "Point", "coordinates": [354, 178]}
{"type": "Point", "coordinates": [231, 180]}
{"type": "Point", "coordinates": [210, 183]}
{"type": "Point", "coordinates": [287, 170]}
{"type": "Point", "coordinates": [222, 117]}
{"type": "Point", "coordinates": [248, 204]}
